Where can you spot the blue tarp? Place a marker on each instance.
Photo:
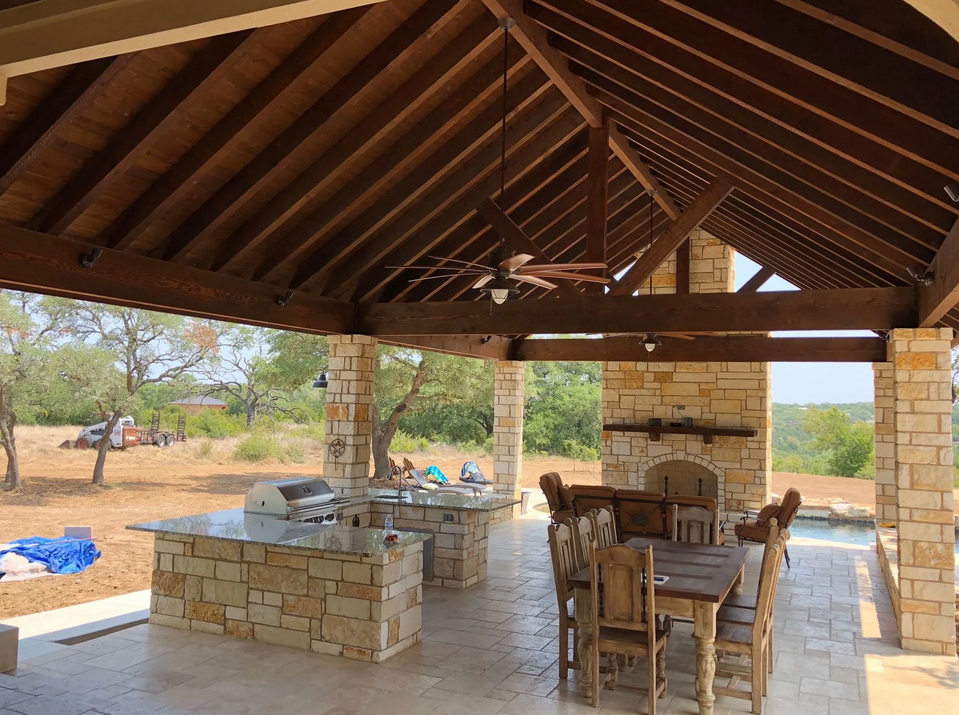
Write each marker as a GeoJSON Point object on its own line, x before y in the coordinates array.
{"type": "Point", "coordinates": [60, 555]}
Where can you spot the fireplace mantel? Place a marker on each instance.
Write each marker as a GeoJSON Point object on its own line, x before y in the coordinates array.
{"type": "Point", "coordinates": [656, 432]}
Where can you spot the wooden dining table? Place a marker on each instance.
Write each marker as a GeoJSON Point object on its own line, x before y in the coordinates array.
{"type": "Point", "coordinates": [700, 578]}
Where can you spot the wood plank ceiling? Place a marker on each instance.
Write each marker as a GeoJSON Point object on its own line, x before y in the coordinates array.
{"type": "Point", "coordinates": [316, 154]}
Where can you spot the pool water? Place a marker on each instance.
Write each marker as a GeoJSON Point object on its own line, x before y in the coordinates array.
{"type": "Point", "coordinates": [860, 533]}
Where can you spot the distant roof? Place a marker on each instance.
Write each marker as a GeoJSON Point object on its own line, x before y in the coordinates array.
{"type": "Point", "coordinates": [201, 400]}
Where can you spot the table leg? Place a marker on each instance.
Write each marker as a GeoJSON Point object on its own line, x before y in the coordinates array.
{"type": "Point", "coordinates": [583, 610]}
{"type": "Point", "coordinates": [705, 635]}
{"type": "Point", "coordinates": [740, 580]}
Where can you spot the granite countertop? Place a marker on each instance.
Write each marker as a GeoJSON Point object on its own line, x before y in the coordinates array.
{"type": "Point", "coordinates": [453, 502]}
{"type": "Point", "coordinates": [235, 525]}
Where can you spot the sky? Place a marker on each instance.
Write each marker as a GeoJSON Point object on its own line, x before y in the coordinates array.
{"type": "Point", "coordinates": [803, 382]}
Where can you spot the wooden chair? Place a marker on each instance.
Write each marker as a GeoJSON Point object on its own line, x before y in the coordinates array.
{"type": "Point", "coordinates": [741, 608]}
{"type": "Point", "coordinates": [558, 497]}
{"type": "Point", "coordinates": [591, 496]}
{"type": "Point", "coordinates": [624, 614]}
{"type": "Point", "coordinates": [583, 538]}
{"type": "Point", "coordinates": [564, 566]}
{"type": "Point", "coordinates": [642, 513]}
{"type": "Point", "coordinates": [604, 527]}
{"type": "Point", "coordinates": [752, 640]}
{"type": "Point", "coordinates": [695, 525]}
{"type": "Point", "coordinates": [754, 525]}
{"type": "Point", "coordinates": [709, 503]}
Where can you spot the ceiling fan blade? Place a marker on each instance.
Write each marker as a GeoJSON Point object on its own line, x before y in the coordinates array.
{"type": "Point", "coordinates": [483, 281]}
{"type": "Point", "coordinates": [532, 267]}
{"type": "Point", "coordinates": [680, 336]}
{"type": "Point", "coordinates": [432, 278]}
{"type": "Point", "coordinates": [458, 269]}
{"type": "Point", "coordinates": [514, 262]}
{"type": "Point", "coordinates": [535, 281]}
{"type": "Point", "coordinates": [569, 276]}
{"type": "Point", "coordinates": [457, 260]}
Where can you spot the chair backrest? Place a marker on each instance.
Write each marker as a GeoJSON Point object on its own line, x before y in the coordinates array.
{"type": "Point", "coordinates": [628, 597]}
{"type": "Point", "coordinates": [705, 502]}
{"type": "Point", "coordinates": [767, 549]}
{"type": "Point", "coordinates": [583, 538]}
{"type": "Point", "coordinates": [789, 507]}
{"type": "Point", "coordinates": [587, 497]}
{"type": "Point", "coordinates": [641, 513]}
{"type": "Point", "coordinates": [564, 562]}
{"type": "Point", "coordinates": [550, 483]}
{"type": "Point", "coordinates": [408, 464]}
{"type": "Point", "coordinates": [695, 525]}
{"type": "Point", "coordinates": [769, 580]}
{"type": "Point", "coordinates": [604, 526]}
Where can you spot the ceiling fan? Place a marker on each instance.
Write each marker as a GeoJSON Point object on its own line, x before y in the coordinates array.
{"type": "Point", "coordinates": [499, 279]}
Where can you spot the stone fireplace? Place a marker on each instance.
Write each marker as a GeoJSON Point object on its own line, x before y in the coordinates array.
{"type": "Point", "coordinates": [734, 469]}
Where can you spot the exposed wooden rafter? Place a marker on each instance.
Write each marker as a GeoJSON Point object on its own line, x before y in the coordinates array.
{"type": "Point", "coordinates": [943, 295]}
{"type": "Point", "coordinates": [669, 241]}
{"type": "Point", "coordinates": [533, 39]}
{"type": "Point", "coordinates": [757, 281]}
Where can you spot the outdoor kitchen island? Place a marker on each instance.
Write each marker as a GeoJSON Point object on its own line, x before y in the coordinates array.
{"type": "Point", "coordinates": [316, 586]}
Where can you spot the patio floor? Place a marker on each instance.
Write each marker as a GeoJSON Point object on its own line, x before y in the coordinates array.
{"type": "Point", "coordinates": [492, 649]}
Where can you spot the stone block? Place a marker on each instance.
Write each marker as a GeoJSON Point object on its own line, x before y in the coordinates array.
{"type": "Point", "coordinates": [267, 615]}
{"type": "Point", "coordinates": [194, 566]}
{"type": "Point", "coordinates": [229, 593]}
{"type": "Point", "coordinates": [350, 607]}
{"type": "Point", "coordinates": [289, 560]}
{"type": "Point", "coordinates": [218, 549]}
{"type": "Point", "coordinates": [358, 573]}
{"type": "Point", "coordinates": [282, 636]}
{"type": "Point", "coordinates": [295, 623]}
{"type": "Point", "coordinates": [303, 606]}
{"type": "Point", "coordinates": [328, 569]}
{"type": "Point", "coordinates": [239, 629]}
{"type": "Point", "coordinates": [228, 571]}
{"type": "Point", "coordinates": [165, 583]}
{"type": "Point", "coordinates": [354, 632]}
{"type": "Point", "coordinates": [272, 599]}
{"type": "Point", "coordinates": [9, 647]}
{"type": "Point", "coordinates": [166, 606]}
{"type": "Point", "coordinates": [209, 612]}
{"type": "Point", "coordinates": [279, 579]}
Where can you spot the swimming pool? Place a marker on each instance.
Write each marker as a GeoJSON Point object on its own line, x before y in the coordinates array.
{"type": "Point", "coordinates": [861, 533]}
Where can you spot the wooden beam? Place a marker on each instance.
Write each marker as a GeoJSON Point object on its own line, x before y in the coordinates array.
{"type": "Point", "coordinates": [597, 182]}
{"type": "Point", "coordinates": [42, 263]}
{"type": "Point", "coordinates": [706, 349]}
{"type": "Point", "coordinates": [490, 347]}
{"type": "Point", "coordinates": [669, 241]}
{"type": "Point", "coordinates": [180, 178]}
{"type": "Point", "coordinates": [68, 100]}
{"type": "Point", "coordinates": [682, 267]}
{"type": "Point", "coordinates": [757, 281]}
{"type": "Point", "coordinates": [853, 309]}
{"type": "Point", "coordinates": [316, 179]}
{"type": "Point", "coordinates": [534, 40]}
{"type": "Point", "coordinates": [38, 36]}
{"type": "Point", "coordinates": [943, 295]}
{"type": "Point", "coordinates": [138, 135]}
{"type": "Point", "coordinates": [630, 157]}
{"type": "Point", "coordinates": [516, 240]}
{"type": "Point", "coordinates": [274, 158]}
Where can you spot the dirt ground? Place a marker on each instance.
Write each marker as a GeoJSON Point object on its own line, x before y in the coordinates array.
{"type": "Point", "coordinates": [146, 483]}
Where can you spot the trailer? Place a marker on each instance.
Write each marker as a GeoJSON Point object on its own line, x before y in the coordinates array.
{"type": "Point", "coordinates": [125, 434]}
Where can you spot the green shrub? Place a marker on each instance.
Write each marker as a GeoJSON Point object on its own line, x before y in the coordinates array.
{"type": "Point", "coordinates": [206, 449]}
{"type": "Point", "coordinates": [403, 442]}
{"type": "Point", "coordinates": [293, 452]}
{"type": "Point", "coordinates": [575, 450]}
{"type": "Point", "coordinates": [258, 447]}
{"type": "Point", "coordinates": [215, 424]}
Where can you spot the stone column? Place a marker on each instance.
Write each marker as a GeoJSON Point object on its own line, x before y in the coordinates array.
{"type": "Point", "coordinates": [508, 427]}
{"type": "Point", "coordinates": [349, 413]}
{"type": "Point", "coordinates": [885, 443]}
{"type": "Point", "coordinates": [923, 408]}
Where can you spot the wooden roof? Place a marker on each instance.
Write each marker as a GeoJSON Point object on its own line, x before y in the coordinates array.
{"type": "Point", "coordinates": [311, 156]}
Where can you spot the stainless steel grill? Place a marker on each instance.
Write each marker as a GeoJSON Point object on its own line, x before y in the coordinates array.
{"type": "Point", "coordinates": [304, 499]}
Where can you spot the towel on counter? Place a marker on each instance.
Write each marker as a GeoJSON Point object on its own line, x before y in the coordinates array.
{"type": "Point", "coordinates": [62, 555]}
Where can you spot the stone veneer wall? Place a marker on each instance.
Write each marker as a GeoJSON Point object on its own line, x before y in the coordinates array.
{"type": "Point", "coordinates": [460, 545]}
{"type": "Point", "coordinates": [365, 608]}
{"type": "Point", "coordinates": [349, 413]}
{"type": "Point", "coordinates": [885, 442]}
{"type": "Point", "coordinates": [509, 401]}
{"type": "Point", "coordinates": [924, 467]}
{"type": "Point", "coordinates": [718, 393]}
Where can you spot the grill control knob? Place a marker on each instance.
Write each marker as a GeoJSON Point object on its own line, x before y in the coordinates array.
{"type": "Point", "coordinates": [330, 517]}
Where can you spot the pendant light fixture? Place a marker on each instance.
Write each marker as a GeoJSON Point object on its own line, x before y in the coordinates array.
{"type": "Point", "coordinates": [651, 342]}
{"type": "Point", "coordinates": [501, 288]}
